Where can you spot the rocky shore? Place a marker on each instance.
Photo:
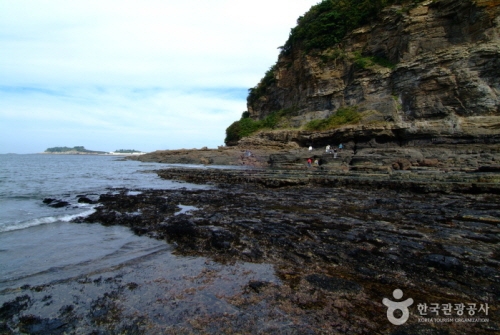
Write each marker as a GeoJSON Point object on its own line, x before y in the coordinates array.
{"type": "Point", "coordinates": [338, 244]}
{"type": "Point", "coordinates": [411, 202]}
{"type": "Point", "coordinates": [288, 150]}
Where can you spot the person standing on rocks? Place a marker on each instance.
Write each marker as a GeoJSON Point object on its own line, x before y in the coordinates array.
{"type": "Point", "coordinates": [328, 148]}
{"type": "Point", "coordinates": [341, 146]}
{"type": "Point", "coordinates": [309, 161]}
{"type": "Point", "coordinates": [334, 153]}
{"type": "Point", "coordinates": [310, 148]}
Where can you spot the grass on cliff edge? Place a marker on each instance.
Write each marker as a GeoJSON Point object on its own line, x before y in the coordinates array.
{"type": "Point", "coordinates": [343, 116]}
{"type": "Point", "coordinates": [247, 126]}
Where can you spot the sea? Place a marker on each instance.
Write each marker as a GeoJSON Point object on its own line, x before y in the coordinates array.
{"type": "Point", "coordinates": [33, 234]}
{"type": "Point", "coordinates": [26, 180]}
{"type": "Point", "coordinates": [41, 246]}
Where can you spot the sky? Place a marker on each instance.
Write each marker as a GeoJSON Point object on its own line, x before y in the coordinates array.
{"type": "Point", "coordinates": [144, 74]}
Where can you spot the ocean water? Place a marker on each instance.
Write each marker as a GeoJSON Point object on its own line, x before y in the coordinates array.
{"type": "Point", "coordinates": [59, 264]}
{"type": "Point", "coordinates": [38, 241]}
{"type": "Point", "coordinates": [25, 180]}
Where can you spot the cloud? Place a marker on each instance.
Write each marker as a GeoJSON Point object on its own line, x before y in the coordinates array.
{"type": "Point", "coordinates": [149, 74]}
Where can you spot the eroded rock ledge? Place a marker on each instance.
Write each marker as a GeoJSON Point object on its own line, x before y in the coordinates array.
{"type": "Point", "coordinates": [336, 246]}
{"type": "Point", "coordinates": [421, 181]}
{"type": "Point", "coordinates": [283, 149]}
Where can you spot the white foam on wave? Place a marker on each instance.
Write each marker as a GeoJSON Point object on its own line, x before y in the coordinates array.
{"type": "Point", "coordinates": [44, 220]}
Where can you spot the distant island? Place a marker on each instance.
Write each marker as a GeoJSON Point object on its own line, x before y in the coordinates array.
{"type": "Point", "coordinates": [80, 150]}
{"type": "Point", "coordinates": [74, 150]}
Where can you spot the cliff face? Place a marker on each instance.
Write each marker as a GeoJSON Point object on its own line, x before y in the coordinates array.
{"type": "Point", "coordinates": [439, 80]}
{"type": "Point", "coordinates": [423, 81]}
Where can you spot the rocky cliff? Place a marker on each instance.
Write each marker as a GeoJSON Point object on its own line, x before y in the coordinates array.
{"type": "Point", "coordinates": [420, 80]}
{"type": "Point", "coordinates": [445, 71]}
{"type": "Point", "coordinates": [424, 77]}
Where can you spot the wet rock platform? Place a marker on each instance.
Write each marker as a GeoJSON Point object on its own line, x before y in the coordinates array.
{"type": "Point", "coordinates": [338, 243]}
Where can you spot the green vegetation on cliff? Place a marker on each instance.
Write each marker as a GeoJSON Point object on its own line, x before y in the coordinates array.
{"type": "Point", "coordinates": [256, 92]}
{"type": "Point", "coordinates": [247, 126]}
{"type": "Point", "coordinates": [343, 116]}
{"type": "Point", "coordinates": [326, 23]}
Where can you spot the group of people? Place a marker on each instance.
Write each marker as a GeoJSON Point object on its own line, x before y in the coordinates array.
{"type": "Point", "coordinates": [310, 162]}
{"type": "Point", "coordinates": [329, 150]}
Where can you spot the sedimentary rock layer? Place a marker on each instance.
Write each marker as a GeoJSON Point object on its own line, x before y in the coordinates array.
{"type": "Point", "coordinates": [443, 87]}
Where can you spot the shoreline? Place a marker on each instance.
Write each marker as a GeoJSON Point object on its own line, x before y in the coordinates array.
{"type": "Point", "coordinates": [338, 242]}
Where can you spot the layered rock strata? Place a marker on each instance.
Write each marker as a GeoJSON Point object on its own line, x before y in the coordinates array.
{"type": "Point", "coordinates": [371, 156]}
{"type": "Point", "coordinates": [423, 181]}
{"type": "Point", "coordinates": [439, 97]}
{"type": "Point", "coordinates": [444, 82]}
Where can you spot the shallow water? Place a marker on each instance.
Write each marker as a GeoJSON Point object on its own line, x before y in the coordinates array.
{"type": "Point", "coordinates": [62, 250]}
{"type": "Point", "coordinates": [25, 180]}
{"type": "Point", "coordinates": [79, 271]}
{"type": "Point", "coordinates": [38, 242]}
{"type": "Point", "coordinates": [92, 270]}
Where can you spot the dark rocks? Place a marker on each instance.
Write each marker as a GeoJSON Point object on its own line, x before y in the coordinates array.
{"type": "Point", "coordinates": [446, 263]}
{"type": "Point", "coordinates": [106, 218]}
{"type": "Point", "coordinates": [11, 308]}
{"type": "Point", "coordinates": [492, 168]}
{"type": "Point", "coordinates": [180, 230]}
{"type": "Point", "coordinates": [222, 238]}
{"type": "Point", "coordinates": [55, 203]}
{"type": "Point", "coordinates": [32, 324]}
{"type": "Point", "coordinates": [10, 311]}
{"type": "Point", "coordinates": [257, 285]}
{"type": "Point", "coordinates": [85, 200]}
{"type": "Point", "coordinates": [329, 236]}
{"type": "Point", "coordinates": [333, 284]}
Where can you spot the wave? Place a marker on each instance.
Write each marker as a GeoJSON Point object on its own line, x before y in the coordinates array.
{"type": "Point", "coordinates": [44, 220]}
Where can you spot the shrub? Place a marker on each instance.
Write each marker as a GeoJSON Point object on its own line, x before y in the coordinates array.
{"type": "Point", "coordinates": [247, 126]}
{"type": "Point", "coordinates": [383, 62]}
{"type": "Point", "coordinates": [232, 133]}
{"type": "Point", "coordinates": [364, 62]}
{"type": "Point", "coordinates": [332, 55]}
{"type": "Point", "coordinates": [326, 23]}
{"type": "Point", "coordinates": [343, 116]}
{"type": "Point", "coordinates": [260, 89]}
{"type": "Point", "coordinates": [360, 61]}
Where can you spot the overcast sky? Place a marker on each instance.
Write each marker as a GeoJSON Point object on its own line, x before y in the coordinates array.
{"type": "Point", "coordinates": [142, 74]}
